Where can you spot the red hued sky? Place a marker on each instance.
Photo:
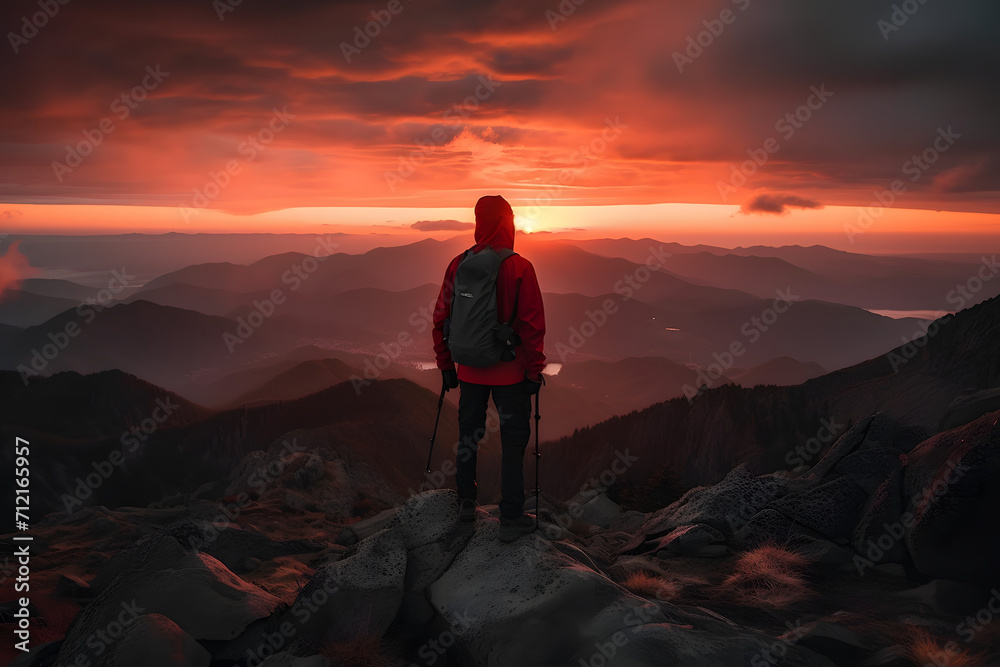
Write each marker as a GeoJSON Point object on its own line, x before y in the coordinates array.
{"type": "Point", "coordinates": [582, 121]}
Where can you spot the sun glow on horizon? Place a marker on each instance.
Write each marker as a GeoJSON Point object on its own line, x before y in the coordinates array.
{"type": "Point", "coordinates": [843, 227]}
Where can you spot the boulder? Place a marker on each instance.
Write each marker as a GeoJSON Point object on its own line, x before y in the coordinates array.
{"type": "Point", "coordinates": [541, 606]}
{"type": "Point", "coordinates": [356, 532]}
{"type": "Point", "coordinates": [40, 654]}
{"type": "Point", "coordinates": [951, 481]}
{"type": "Point", "coordinates": [70, 586]}
{"type": "Point", "coordinates": [153, 552]}
{"type": "Point", "coordinates": [357, 595]}
{"type": "Point", "coordinates": [628, 522]}
{"type": "Point", "coordinates": [837, 643]}
{"type": "Point", "coordinates": [232, 544]}
{"type": "Point", "coordinates": [669, 644]}
{"type": "Point", "coordinates": [873, 433]}
{"type": "Point", "coordinates": [196, 592]}
{"type": "Point", "coordinates": [970, 406]}
{"type": "Point", "coordinates": [874, 534]}
{"type": "Point", "coordinates": [595, 508]}
{"type": "Point", "coordinates": [534, 594]}
{"type": "Point", "coordinates": [153, 640]}
{"type": "Point", "coordinates": [689, 540]}
{"type": "Point", "coordinates": [832, 509]}
{"type": "Point", "coordinates": [768, 526]}
{"type": "Point", "coordinates": [726, 506]}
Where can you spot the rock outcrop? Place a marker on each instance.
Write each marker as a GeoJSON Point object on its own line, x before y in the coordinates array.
{"type": "Point", "coordinates": [708, 580]}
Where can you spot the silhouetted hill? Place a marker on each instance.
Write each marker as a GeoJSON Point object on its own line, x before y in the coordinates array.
{"type": "Point", "coordinates": [781, 371]}
{"type": "Point", "coordinates": [206, 300]}
{"type": "Point", "coordinates": [392, 268]}
{"type": "Point", "coordinates": [628, 384]}
{"type": "Point", "coordinates": [832, 335]}
{"type": "Point", "coordinates": [161, 344]}
{"type": "Point", "coordinates": [308, 377]}
{"type": "Point", "coordinates": [22, 308]}
{"type": "Point", "coordinates": [99, 405]}
{"type": "Point", "coordinates": [816, 272]}
{"type": "Point", "coordinates": [702, 440]}
{"type": "Point", "coordinates": [181, 458]}
{"type": "Point", "coordinates": [61, 289]}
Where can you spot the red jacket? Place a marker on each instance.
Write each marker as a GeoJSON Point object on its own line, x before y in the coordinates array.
{"type": "Point", "coordinates": [495, 227]}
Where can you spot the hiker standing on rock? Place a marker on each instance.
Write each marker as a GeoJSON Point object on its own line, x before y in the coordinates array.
{"type": "Point", "coordinates": [490, 323]}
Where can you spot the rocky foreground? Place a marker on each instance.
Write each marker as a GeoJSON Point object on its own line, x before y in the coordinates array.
{"type": "Point", "coordinates": [883, 552]}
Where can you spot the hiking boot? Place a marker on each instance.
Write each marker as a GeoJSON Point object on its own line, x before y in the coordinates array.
{"type": "Point", "coordinates": [511, 529]}
{"type": "Point", "coordinates": [466, 510]}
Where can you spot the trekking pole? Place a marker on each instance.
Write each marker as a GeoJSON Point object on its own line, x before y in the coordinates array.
{"type": "Point", "coordinates": [427, 468]}
{"type": "Point", "coordinates": [538, 454]}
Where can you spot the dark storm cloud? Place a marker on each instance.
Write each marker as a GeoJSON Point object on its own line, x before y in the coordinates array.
{"type": "Point", "coordinates": [777, 204]}
{"type": "Point", "coordinates": [892, 91]}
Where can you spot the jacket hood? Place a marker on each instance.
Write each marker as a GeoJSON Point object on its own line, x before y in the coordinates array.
{"type": "Point", "coordinates": [495, 222]}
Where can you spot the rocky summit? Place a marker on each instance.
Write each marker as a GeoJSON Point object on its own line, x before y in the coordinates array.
{"type": "Point", "coordinates": [866, 557]}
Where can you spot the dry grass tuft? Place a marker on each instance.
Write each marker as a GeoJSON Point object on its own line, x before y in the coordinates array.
{"type": "Point", "coordinates": [648, 585]}
{"type": "Point", "coordinates": [769, 576]}
{"type": "Point", "coordinates": [923, 648]}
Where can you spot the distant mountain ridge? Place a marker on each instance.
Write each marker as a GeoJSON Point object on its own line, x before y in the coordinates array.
{"type": "Point", "coordinates": [702, 439]}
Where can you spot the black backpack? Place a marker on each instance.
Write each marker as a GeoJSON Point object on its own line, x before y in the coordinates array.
{"type": "Point", "coordinates": [473, 333]}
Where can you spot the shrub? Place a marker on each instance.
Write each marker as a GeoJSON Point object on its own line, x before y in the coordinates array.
{"type": "Point", "coordinates": [647, 585]}
{"type": "Point", "coordinates": [769, 576]}
{"type": "Point", "coordinates": [923, 648]}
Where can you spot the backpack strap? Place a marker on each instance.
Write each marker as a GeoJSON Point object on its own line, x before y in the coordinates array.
{"type": "Point", "coordinates": [505, 254]}
{"type": "Point", "coordinates": [517, 295]}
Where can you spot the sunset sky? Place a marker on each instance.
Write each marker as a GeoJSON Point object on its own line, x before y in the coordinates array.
{"type": "Point", "coordinates": [259, 116]}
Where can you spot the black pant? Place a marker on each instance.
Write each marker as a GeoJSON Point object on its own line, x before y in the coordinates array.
{"type": "Point", "coordinates": [513, 405]}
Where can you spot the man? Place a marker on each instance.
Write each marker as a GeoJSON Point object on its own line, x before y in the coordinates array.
{"type": "Point", "coordinates": [511, 383]}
